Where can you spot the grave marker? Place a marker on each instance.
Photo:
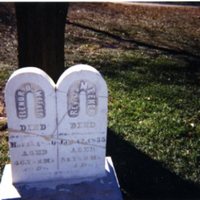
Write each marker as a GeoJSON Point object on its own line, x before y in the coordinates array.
{"type": "Point", "coordinates": [57, 136]}
{"type": "Point", "coordinates": [82, 117]}
{"type": "Point", "coordinates": [31, 107]}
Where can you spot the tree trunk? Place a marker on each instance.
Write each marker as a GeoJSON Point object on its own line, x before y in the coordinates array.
{"type": "Point", "coordinates": [40, 29]}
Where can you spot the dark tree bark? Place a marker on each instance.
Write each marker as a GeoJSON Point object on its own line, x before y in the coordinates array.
{"type": "Point", "coordinates": [40, 28]}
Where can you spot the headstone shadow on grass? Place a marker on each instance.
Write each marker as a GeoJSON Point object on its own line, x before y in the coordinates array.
{"type": "Point", "coordinates": [142, 177]}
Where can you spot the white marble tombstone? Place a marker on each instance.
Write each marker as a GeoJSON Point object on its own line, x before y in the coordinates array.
{"type": "Point", "coordinates": [31, 111]}
{"type": "Point", "coordinates": [57, 131]}
{"type": "Point", "coordinates": [57, 137]}
{"type": "Point", "coordinates": [82, 122]}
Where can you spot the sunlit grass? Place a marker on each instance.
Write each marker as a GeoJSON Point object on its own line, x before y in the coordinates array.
{"type": "Point", "coordinates": [154, 103]}
{"type": "Point", "coordinates": [3, 150]}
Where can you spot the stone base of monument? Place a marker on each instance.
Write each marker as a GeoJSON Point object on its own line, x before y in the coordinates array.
{"type": "Point", "coordinates": [105, 188]}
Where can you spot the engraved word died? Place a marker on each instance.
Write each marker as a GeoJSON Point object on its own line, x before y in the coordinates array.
{"type": "Point", "coordinates": [56, 131]}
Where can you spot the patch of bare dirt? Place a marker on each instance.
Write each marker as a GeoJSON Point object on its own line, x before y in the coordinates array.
{"type": "Point", "coordinates": [172, 27]}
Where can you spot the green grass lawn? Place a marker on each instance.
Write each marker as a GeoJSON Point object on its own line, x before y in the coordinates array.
{"type": "Point", "coordinates": [154, 103]}
{"type": "Point", "coordinates": [3, 150]}
{"type": "Point", "coordinates": [5, 72]}
{"type": "Point", "coordinates": [154, 96]}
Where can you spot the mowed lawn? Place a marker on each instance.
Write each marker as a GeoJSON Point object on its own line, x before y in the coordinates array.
{"type": "Point", "coordinates": [154, 95]}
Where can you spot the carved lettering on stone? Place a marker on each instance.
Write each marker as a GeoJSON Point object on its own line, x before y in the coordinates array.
{"type": "Point", "coordinates": [21, 100]}
{"type": "Point", "coordinates": [82, 118]}
{"type": "Point", "coordinates": [78, 88]}
{"type": "Point", "coordinates": [56, 131]}
{"type": "Point", "coordinates": [31, 111]}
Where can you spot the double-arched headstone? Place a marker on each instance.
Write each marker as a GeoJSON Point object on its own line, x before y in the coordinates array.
{"type": "Point", "coordinates": [57, 137]}
{"type": "Point", "coordinates": [57, 131]}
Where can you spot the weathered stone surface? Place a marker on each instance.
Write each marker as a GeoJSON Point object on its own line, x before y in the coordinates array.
{"type": "Point", "coordinates": [31, 111]}
{"type": "Point", "coordinates": [104, 188]}
{"type": "Point", "coordinates": [57, 132]}
{"type": "Point", "coordinates": [82, 122]}
{"type": "Point", "coordinates": [57, 137]}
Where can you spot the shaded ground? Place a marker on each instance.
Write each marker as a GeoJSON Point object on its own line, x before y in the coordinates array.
{"type": "Point", "coordinates": [8, 36]}
{"type": "Point", "coordinates": [149, 57]}
{"type": "Point", "coordinates": [143, 178]}
{"type": "Point", "coordinates": [173, 28]}
{"type": "Point", "coordinates": [8, 47]}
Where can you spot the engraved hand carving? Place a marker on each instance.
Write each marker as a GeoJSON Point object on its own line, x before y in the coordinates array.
{"type": "Point", "coordinates": [21, 100]}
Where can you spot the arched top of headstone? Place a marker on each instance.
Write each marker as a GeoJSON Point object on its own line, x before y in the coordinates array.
{"type": "Point", "coordinates": [75, 69]}
{"type": "Point", "coordinates": [82, 71]}
{"type": "Point", "coordinates": [32, 72]}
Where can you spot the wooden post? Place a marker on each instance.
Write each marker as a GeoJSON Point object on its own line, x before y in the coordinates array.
{"type": "Point", "coordinates": [41, 36]}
